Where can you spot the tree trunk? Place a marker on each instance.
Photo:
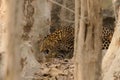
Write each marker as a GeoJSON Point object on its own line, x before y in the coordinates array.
{"type": "Point", "coordinates": [26, 22]}
{"type": "Point", "coordinates": [88, 52]}
{"type": "Point", "coordinates": [116, 5]}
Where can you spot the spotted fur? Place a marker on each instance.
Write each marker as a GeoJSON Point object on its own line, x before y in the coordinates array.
{"type": "Point", "coordinates": [61, 42]}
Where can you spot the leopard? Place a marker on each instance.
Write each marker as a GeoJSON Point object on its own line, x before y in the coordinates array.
{"type": "Point", "coordinates": [60, 43]}
{"type": "Point", "coordinates": [107, 31]}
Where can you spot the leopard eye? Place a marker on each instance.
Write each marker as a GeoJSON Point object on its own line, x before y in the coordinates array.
{"type": "Point", "coordinates": [46, 51]}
